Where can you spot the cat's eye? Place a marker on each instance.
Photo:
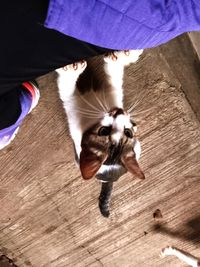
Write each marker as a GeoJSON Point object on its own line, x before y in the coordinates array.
{"type": "Point", "coordinates": [128, 133]}
{"type": "Point", "coordinates": [104, 130]}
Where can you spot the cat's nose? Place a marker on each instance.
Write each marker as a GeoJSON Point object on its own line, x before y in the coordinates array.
{"type": "Point", "coordinates": [116, 136]}
{"type": "Point", "coordinates": [116, 112]}
{"type": "Point", "coordinates": [119, 112]}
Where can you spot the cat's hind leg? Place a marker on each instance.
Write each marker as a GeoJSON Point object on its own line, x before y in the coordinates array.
{"type": "Point", "coordinates": [67, 78]}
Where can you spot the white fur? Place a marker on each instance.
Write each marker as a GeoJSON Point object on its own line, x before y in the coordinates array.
{"type": "Point", "coordinates": [107, 120]}
{"type": "Point", "coordinates": [115, 69]}
{"type": "Point", "coordinates": [187, 258]}
{"type": "Point", "coordinates": [137, 149]}
{"type": "Point", "coordinates": [118, 129]}
{"type": "Point", "coordinates": [67, 77]}
{"type": "Point", "coordinates": [104, 168]}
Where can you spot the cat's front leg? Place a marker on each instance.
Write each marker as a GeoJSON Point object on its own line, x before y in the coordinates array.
{"type": "Point", "coordinates": [67, 78]}
{"type": "Point", "coordinates": [114, 67]}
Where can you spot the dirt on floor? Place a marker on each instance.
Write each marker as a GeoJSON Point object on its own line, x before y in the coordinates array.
{"type": "Point", "coordinates": [49, 215]}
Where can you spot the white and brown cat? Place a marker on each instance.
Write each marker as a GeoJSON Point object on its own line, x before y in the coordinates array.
{"type": "Point", "coordinates": [103, 132]}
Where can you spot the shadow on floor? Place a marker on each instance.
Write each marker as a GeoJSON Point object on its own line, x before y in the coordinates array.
{"type": "Point", "coordinates": [6, 262]}
{"type": "Point", "coordinates": [188, 232]}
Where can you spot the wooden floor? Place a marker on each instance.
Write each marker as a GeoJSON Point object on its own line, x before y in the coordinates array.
{"type": "Point", "coordinates": [49, 215]}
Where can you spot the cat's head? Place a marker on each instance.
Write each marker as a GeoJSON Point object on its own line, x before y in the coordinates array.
{"type": "Point", "coordinates": [111, 142]}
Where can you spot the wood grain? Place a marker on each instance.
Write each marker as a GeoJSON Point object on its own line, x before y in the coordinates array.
{"type": "Point", "coordinates": [49, 215]}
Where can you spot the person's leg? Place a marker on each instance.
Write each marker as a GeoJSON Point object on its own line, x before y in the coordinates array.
{"type": "Point", "coordinates": [29, 50]}
{"type": "Point", "coordinates": [10, 108]}
{"type": "Point", "coordinates": [23, 102]}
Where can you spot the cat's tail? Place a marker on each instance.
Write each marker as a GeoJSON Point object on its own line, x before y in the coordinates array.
{"type": "Point", "coordinates": [105, 197]}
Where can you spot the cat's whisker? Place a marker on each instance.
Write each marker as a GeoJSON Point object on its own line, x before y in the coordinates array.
{"type": "Point", "coordinates": [89, 116]}
{"type": "Point", "coordinates": [103, 104]}
{"type": "Point", "coordinates": [136, 103]}
{"type": "Point", "coordinates": [139, 112]}
{"type": "Point", "coordinates": [104, 99]}
{"type": "Point", "coordinates": [96, 97]}
{"type": "Point", "coordinates": [89, 104]}
{"type": "Point", "coordinates": [99, 101]}
{"type": "Point", "coordinates": [89, 111]}
{"type": "Point", "coordinates": [134, 106]}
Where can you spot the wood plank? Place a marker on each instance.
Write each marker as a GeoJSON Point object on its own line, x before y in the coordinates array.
{"type": "Point", "coordinates": [184, 63]}
{"type": "Point", "coordinates": [195, 39]}
{"type": "Point", "coordinates": [49, 216]}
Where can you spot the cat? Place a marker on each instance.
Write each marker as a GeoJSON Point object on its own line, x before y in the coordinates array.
{"type": "Point", "coordinates": [103, 132]}
{"type": "Point", "coordinates": [182, 255]}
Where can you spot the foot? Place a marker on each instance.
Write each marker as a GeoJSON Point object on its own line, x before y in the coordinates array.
{"type": "Point", "coordinates": [67, 78]}
{"type": "Point", "coordinates": [167, 251]}
{"type": "Point", "coordinates": [182, 255]}
{"type": "Point", "coordinates": [124, 57]}
{"type": "Point", "coordinates": [75, 68]}
{"type": "Point", "coordinates": [29, 98]}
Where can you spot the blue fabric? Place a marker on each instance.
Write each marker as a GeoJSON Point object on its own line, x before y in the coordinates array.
{"type": "Point", "coordinates": [6, 134]}
{"type": "Point", "coordinates": [124, 24]}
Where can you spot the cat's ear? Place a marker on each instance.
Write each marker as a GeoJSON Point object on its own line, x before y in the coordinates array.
{"type": "Point", "coordinates": [132, 165]}
{"type": "Point", "coordinates": [90, 163]}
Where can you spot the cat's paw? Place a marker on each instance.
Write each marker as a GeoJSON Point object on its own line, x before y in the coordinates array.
{"type": "Point", "coordinates": [124, 57]}
{"type": "Point", "coordinates": [77, 68]}
{"type": "Point", "coordinates": [167, 251]}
